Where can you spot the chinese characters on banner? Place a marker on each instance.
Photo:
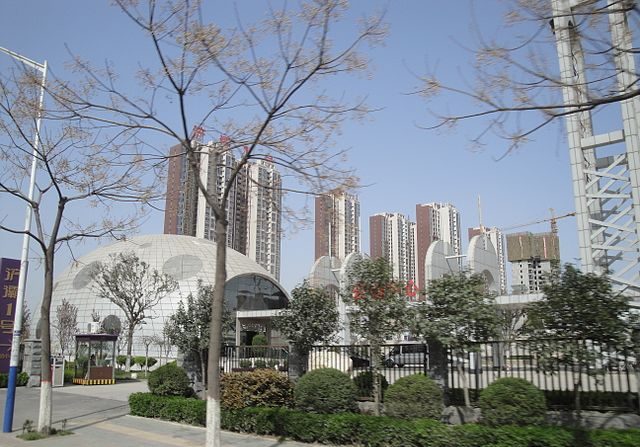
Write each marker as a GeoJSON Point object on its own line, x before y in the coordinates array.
{"type": "Point", "coordinates": [9, 274]}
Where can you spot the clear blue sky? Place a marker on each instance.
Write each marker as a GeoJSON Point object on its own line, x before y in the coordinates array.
{"type": "Point", "coordinates": [402, 164]}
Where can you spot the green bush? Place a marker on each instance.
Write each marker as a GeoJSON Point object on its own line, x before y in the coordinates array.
{"type": "Point", "coordinates": [364, 384]}
{"type": "Point", "coordinates": [151, 361]}
{"type": "Point", "coordinates": [259, 340]}
{"type": "Point", "coordinates": [138, 360]}
{"type": "Point", "coordinates": [615, 438]}
{"type": "Point", "coordinates": [261, 363]}
{"type": "Point", "coordinates": [512, 401]}
{"type": "Point", "coordinates": [169, 380]}
{"type": "Point", "coordinates": [325, 390]}
{"type": "Point", "coordinates": [259, 388]}
{"type": "Point", "coordinates": [21, 379]}
{"type": "Point", "coordinates": [372, 431]}
{"type": "Point", "coordinates": [272, 363]}
{"type": "Point", "coordinates": [170, 408]}
{"type": "Point", "coordinates": [121, 360]}
{"type": "Point", "coordinates": [415, 396]}
{"type": "Point", "coordinates": [245, 363]}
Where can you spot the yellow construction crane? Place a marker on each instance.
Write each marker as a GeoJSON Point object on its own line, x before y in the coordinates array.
{"type": "Point", "coordinates": [553, 220]}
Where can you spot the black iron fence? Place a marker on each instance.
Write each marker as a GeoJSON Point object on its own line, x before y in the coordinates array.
{"type": "Point", "coordinates": [246, 358]}
{"type": "Point", "coordinates": [608, 375]}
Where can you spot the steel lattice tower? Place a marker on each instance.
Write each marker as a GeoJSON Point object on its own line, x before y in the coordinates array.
{"type": "Point", "coordinates": [605, 167]}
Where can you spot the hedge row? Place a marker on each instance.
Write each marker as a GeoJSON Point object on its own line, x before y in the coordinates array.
{"type": "Point", "coordinates": [559, 399]}
{"type": "Point", "coordinates": [21, 379]}
{"type": "Point", "coordinates": [372, 431]}
{"type": "Point", "coordinates": [169, 408]}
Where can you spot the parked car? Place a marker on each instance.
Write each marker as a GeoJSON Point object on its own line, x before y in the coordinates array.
{"type": "Point", "coordinates": [410, 353]}
{"type": "Point", "coordinates": [470, 362]}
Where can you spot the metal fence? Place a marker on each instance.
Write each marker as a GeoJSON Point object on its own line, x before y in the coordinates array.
{"type": "Point", "coordinates": [244, 358]}
{"type": "Point", "coordinates": [608, 375]}
{"type": "Point", "coordinates": [609, 378]}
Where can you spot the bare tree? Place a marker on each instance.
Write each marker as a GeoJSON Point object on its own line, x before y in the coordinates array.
{"type": "Point", "coordinates": [79, 168]}
{"type": "Point", "coordinates": [516, 85]}
{"type": "Point", "coordinates": [66, 325]}
{"type": "Point", "coordinates": [133, 286]}
{"type": "Point", "coordinates": [268, 97]}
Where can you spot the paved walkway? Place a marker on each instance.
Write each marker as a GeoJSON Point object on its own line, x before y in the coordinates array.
{"type": "Point", "coordinates": [98, 417]}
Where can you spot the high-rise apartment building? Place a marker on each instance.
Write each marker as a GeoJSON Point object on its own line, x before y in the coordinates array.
{"type": "Point", "coordinates": [532, 256]}
{"type": "Point", "coordinates": [253, 207]}
{"type": "Point", "coordinates": [337, 224]}
{"type": "Point", "coordinates": [497, 240]}
{"type": "Point", "coordinates": [264, 215]}
{"type": "Point", "coordinates": [392, 236]}
{"type": "Point", "coordinates": [435, 221]}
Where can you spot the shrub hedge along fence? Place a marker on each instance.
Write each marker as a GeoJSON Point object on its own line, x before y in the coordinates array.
{"type": "Point", "coordinates": [259, 388]}
{"type": "Point", "coordinates": [512, 401]}
{"type": "Point", "coordinates": [325, 390]}
{"type": "Point", "coordinates": [415, 396]}
{"type": "Point", "coordinates": [372, 431]}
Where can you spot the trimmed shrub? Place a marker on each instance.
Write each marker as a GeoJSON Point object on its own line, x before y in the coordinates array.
{"type": "Point", "coordinates": [151, 361]}
{"type": "Point", "coordinates": [259, 388]}
{"type": "Point", "coordinates": [364, 384]}
{"type": "Point", "coordinates": [615, 438]}
{"type": "Point", "coordinates": [169, 380]}
{"type": "Point", "coordinates": [512, 401]}
{"type": "Point", "coordinates": [372, 431]}
{"type": "Point", "coordinates": [325, 390]}
{"type": "Point", "coordinates": [121, 360]}
{"type": "Point", "coordinates": [415, 396]}
{"type": "Point", "coordinates": [261, 363]}
{"type": "Point", "coordinates": [261, 341]}
{"type": "Point", "coordinates": [170, 408]}
{"type": "Point", "coordinates": [21, 379]}
{"type": "Point", "coordinates": [138, 360]}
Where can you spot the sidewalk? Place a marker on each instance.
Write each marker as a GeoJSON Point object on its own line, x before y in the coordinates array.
{"type": "Point", "coordinates": [98, 417]}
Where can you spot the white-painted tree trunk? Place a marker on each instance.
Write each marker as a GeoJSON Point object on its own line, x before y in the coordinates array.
{"type": "Point", "coordinates": [215, 337]}
{"type": "Point", "coordinates": [45, 410]}
{"type": "Point", "coordinates": [213, 423]}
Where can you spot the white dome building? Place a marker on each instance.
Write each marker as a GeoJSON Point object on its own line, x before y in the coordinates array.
{"type": "Point", "coordinates": [251, 292]}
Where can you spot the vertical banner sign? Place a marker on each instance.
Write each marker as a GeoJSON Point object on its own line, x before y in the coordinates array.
{"type": "Point", "coordinates": [9, 275]}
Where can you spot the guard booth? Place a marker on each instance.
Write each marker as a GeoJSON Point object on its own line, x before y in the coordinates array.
{"type": "Point", "coordinates": [95, 359]}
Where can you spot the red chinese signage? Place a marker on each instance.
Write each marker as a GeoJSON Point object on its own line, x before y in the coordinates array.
{"type": "Point", "coordinates": [9, 275]}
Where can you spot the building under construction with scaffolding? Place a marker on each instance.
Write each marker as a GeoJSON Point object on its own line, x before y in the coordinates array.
{"type": "Point", "coordinates": [532, 257]}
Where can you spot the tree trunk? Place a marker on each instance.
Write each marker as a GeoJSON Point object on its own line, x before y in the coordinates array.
{"type": "Point", "coordinates": [215, 336]}
{"type": "Point", "coordinates": [130, 330]}
{"type": "Point", "coordinates": [578, 404]}
{"type": "Point", "coordinates": [298, 363]}
{"type": "Point", "coordinates": [45, 410]}
{"type": "Point", "coordinates": [465, 386]}
{"type": "Point", "coordinates": [375, 363]}
{"type": "Point", "coordinates": [203, 373]}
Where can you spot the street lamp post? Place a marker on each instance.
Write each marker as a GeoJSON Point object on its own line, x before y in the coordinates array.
{"type": "Point", "coordinates": [24, 259]}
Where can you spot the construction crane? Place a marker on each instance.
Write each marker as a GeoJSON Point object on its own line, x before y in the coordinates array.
{"type": "Point", "coordinates": [553, 220]}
